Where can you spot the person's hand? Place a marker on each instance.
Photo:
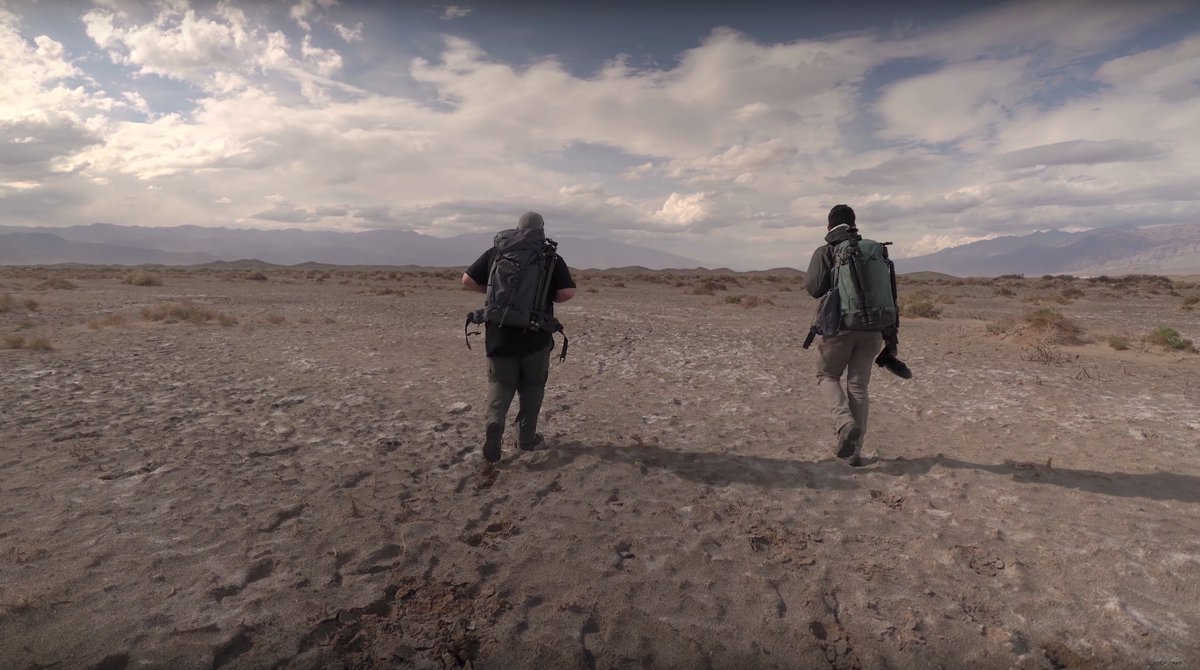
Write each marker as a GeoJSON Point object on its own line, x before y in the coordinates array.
{"type": "Point", "coordinates": [891, 348]}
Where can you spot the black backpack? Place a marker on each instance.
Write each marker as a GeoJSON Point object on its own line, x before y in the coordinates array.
{"type": "Point", "coordinates": [518, 287]}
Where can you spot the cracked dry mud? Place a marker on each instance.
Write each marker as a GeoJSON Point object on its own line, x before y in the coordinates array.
{"type": "Point", "coordinates": [307, 491]}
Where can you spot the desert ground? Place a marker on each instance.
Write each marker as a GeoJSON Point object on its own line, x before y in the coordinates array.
{"type": "Point", "coordinates": [241, 468]}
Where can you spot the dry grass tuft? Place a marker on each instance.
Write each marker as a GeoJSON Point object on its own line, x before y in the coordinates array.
{"type": "Point", "coordinates": [1045, 354]}
{"type": "Point", "coordinates": [919, 306]}
{"type": "Point", "coordinates": [748, 301]}
{"type": "Point", "coordinates": [1189, 303]}
{"type": "Point", "coordinates": [104, 322]}
{"type": "Point", "coordinates": [19, 342]}
{"type": "Point", "coordinates": [276, 319]}
{"type": "Point", "coordinates": [142, 278]}
{"type": "Point", "coordinates": [6, 303]}
{"type": "Point", "coordinates": [175, 312]}
{"type": "Point", "coordinates": [1054, 326]}
{"type": "Point", "coordinates": [55, 283]}
{"type": "Point", "coordinates": [1170, 339]}
{"type": "Point", "coordinates": [255, 275]}
{"type": "Point", "coordinates": [1118, 342]}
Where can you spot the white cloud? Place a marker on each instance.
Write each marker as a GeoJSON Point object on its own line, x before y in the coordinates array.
{"type": "Point", "coordinates": [684, 209]}
{"type": "Point", "coordinates": [451, 12]}
{"type": "Point", "coordinates": [349, 34]}
{"type": "Point", "coordinates": [735, 150]}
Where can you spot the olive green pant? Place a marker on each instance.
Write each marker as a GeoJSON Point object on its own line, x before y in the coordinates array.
{"type": "Point", "coordinates": [851, 353]}
{"type": "Point", "coordinates": [525, 376]}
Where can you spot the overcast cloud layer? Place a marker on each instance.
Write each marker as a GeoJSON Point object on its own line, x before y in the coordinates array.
{"type": "Point", "coordinates": [938, 130]}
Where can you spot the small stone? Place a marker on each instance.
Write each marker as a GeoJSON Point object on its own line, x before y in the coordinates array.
{"type": "Point", "coordinates": [458, 408]}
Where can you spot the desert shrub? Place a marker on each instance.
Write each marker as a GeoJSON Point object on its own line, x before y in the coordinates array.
{"type": "Point", "coordinates": [276, 319]}
{"type": "Point", "coordinates": [945, 299]}
{"type": "Point", "coordinates": [757, 301]}
{"type": "Point", "coordinates": [708, 287]}
{"type": "Point", "coordinates": [38, 343]}
{"type": "Point", "coordinates": [25, 325]}
{"type": "Point", "coordinates": [1072, 293]}
{"type": "Point", "coordinates": [255, 275]}
{"type": "Point", "coordinates": [1190, 302]}
{"type": "Point", "coordinates": [618, 284]}
{"type": "Point", "coordinates": [179, 311]}
{"type": "Point", "coordinates": [1011, 277]}
{"type": "Point", "coordinates": [13, 342]}
{"type": "Point", "coordinates": [226, 320]}
{"type": "Point", "coordinates": [1118, 342]}
{"type": "Point", "coordinates": [55, 283]}
{"type": "Point", "coordinates": [1004, 326]}
{"type": "Point", "coordinates": [921, 308]}
{"type": "Point", "coordinates": [1005, 292]}
{"type": "Point", "coordinates": [1055, 326]}
{"type": "Point", "coordinates": [748, 300]}
{"type": "Point", "coordinates": [31, 305]}
{"type": "Point", "coordinates": [6, 303]}
{"type": "Point", "coordinates": [1045, 354]}
{"type": "Point", "coordinates": [1169, 339]}
{"type": "Point", "coordinates": [142, 278]}
{"type": "Point", "coordinates": [110, 320]}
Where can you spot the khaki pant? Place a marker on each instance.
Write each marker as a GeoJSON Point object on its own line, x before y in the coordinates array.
{"type": "Point", "coordinates": [525, 376]}
{"type": "Point", "coordinates": [852, 353]}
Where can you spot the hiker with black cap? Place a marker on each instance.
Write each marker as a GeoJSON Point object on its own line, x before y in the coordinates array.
{"type": "Point", "coordinates": [522, 276]}
{"type": "Point", "coordinates": [858, 322]}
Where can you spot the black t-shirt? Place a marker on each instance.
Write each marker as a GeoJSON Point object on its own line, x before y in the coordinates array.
{"type": "Point", "coordinates": [516, 342]}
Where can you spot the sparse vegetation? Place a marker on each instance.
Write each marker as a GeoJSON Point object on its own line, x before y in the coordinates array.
{"type": "Point", "coordinates": [38, 343]}
{"type": "Point", "coordinates": [6, 303]}
{"type": "Point", "coordinates": [31, 304]}
{"type": "Point", "coordinates": [920, 307]}
{"type": "Point", "coordinates": [19, 342]}
{"type": "Point", "coordinates": [1054, 326]}
{"type": "Point", "coordinates": [57, 283]}
{"type": "Point", "coordinates": [276, 319]}
{"type": "Point", "coordinates": [1189, 303]}
{"type": "Point", "coordinates": [1004, 292]}
{"type": "Point", "coordinates": [1118, 342]}
{"type": "Point", "coordinates": [104, 322]}
{"type": "Point", "coordinates": [142, 278]}
{"type": "Point", "coordinates": [1045, 354]}
{"type": "Point", "coordinates": [255, 275]}
{"type": "Point", "coordinates": [226, 320]}
{"type": "Point", "coordinates": [180, 311]}
{"type": "Point", "coordinates": [1169, 339]}
{"type": "Point", "coordinates": [748, 301]}
{"type": "Point", "coordinates": [1072, 293]}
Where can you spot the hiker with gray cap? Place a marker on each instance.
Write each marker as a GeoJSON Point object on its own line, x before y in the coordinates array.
{"type": "Point", "coordinates": [522, 276]}
{"type": "Point", "coordinates": [858, 322]}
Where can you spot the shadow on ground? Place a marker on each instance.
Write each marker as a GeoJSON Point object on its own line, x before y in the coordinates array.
{"type": "Point", "coordinates": [720, 469]}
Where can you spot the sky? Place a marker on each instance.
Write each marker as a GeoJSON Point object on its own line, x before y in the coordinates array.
{"type": "Point", "coordinates": [719, 131]}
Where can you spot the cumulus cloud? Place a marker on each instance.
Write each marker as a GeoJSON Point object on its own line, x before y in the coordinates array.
{"type": "Point", "coordinates": [1021, 118]}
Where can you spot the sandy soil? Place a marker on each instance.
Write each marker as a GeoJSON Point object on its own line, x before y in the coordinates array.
{"type": "Point", "coordinates": [304, 489]}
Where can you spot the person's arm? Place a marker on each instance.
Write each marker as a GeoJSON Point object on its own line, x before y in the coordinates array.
{"type": "Point", "coordinates": [816, 280]}
{"type": "Point", "coordinates": [476, 276]}
{"type": "Point", "coordinates": [562, 282]}
{"type": "Point", "coordinates": [472, 284]}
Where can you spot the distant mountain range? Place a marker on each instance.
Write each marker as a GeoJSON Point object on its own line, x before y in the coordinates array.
{"type": "Point", "coordinates": [108, 244]}
{"type": "Point", "coordinates": [1164, 250]}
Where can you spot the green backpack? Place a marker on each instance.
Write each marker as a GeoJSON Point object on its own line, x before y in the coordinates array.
{"type": "Point", "coordinates": [865, 281]}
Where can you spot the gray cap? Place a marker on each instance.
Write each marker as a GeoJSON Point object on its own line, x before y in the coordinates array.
{"type": "Point", "coordinates": [531, 221]}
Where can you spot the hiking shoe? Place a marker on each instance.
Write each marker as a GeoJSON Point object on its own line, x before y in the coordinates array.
{"type": "Point", "coordinates": [855, 461]}
{"type": "Point", "coordinates": [491, 443]}
{"type": "Point", "coordinates": [537, 443]}
{"type": "Point", "coordinates": [848, 436]}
